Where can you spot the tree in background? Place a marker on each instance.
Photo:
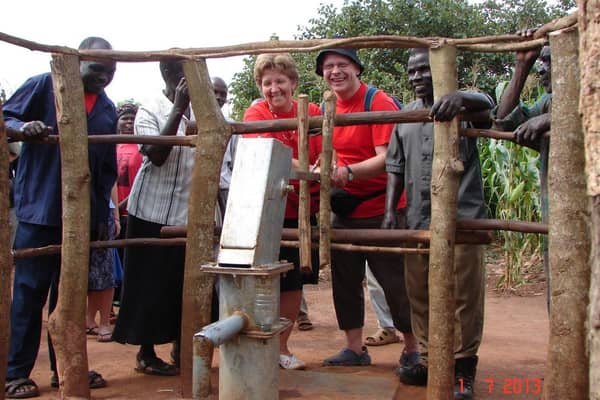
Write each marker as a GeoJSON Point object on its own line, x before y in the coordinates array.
{"type": "Point", "coordinates": [385, 68]}
{"type": "Point", "coordinates": [510, 172]}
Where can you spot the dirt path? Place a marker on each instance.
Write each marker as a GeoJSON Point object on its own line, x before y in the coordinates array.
{"type": "Point", "coordinates": [511, 365]}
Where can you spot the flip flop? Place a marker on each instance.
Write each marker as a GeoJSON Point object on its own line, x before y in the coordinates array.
{"type": "Point", "coordinates": [11, 389]}
{"type": "Point", "coordinates": [96, 381]}
{"type": "Point", "coordinates": [382, 337]}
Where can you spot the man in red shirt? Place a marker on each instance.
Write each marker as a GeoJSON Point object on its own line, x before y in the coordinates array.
{"type": "Point", "coordinates": [360, 173]}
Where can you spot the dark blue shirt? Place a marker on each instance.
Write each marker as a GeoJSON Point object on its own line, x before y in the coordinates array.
{"type": "Point", "coordinates": [37, 183]}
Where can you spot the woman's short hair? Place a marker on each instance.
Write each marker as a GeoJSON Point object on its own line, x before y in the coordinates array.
{"type": "Point", "coordinates": [280, 62]}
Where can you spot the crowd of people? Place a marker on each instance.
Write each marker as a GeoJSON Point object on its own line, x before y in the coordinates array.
{"type": "Point", "coordinates": [381, 178]}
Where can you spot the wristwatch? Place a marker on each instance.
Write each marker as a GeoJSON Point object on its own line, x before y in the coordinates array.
{"type": "Point", "coordinates": [350, 174]}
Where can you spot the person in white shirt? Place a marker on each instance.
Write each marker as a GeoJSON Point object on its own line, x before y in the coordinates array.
{"type": "Point", "coordinates": [150, 312]}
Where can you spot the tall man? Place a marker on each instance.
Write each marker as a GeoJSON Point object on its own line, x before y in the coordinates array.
{"type": "Point", "coordinates": [38, 206]}
{"type": "Point", "coordinates": [408, 163]}
{"type": "Point", "coordinates": [360, 172]}
{"type": "Point", "coordinates": [530, 123]}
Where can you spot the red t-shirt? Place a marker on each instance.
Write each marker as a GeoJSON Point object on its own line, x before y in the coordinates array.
{"type": "Point", "coordinates": [260, 112]}
{"type": "Point", "coordinates": [356, 143]}
{"type": "Point", "coordinates": [129, 160]}
{"type": "Point", "coordinates": [90, 101]}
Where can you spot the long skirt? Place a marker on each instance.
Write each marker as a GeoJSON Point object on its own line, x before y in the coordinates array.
{"type": "Point", "coordinates": [150, 311]}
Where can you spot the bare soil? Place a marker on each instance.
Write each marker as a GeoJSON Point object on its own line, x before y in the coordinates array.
{"type": "Point", "coordinates": [511, 365]}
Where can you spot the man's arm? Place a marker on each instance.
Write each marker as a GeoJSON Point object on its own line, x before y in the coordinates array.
{"type": "Point", "coordinates": [158, 153]}
{"type": "Point", "coordinates": [394, 189]}
{"type": "Point", "coordinates": [449, 105]}
{"type": "Point", "coordinates": [530, 132]}
{"type": "Point", "coordinates": [366, 169]}
{"type": "Point", "coordinates": [17, 109]}
{"type": "Point", "coordinates": [511, 96]}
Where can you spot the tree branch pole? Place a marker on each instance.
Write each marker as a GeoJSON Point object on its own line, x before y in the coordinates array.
{"type": "Point", "coordinates": [589, 51]}
{"type": "Point", "coordinates": [326, 166]}
{"type": "Point", "coordinates": [485, 44]}
{"type": "Point", "coordinates": [237, 128]}
{"type": "Point", "coordinates": [67, 323]}
{"type": "Point", "coordinates": [445, 175]}
{"type": "Point", "coordinates": [304, 206]}
{"type": "Point", "coordinates": [6, 260]}
{"type": "Point", "coordinates": [213, 135]}
{"type": "Point", "coordinates": [567, 370]}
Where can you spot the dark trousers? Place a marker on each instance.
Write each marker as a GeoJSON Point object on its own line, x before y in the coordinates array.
{"type": "Point", "coordinates": [35, 277]}
{"type": "Point", "coordinates": [348, 274]}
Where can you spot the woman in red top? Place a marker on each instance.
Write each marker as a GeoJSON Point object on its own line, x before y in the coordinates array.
{"type": "Point", "coordinates": [277, 78]}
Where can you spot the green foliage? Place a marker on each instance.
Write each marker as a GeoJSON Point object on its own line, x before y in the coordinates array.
{"type": "Point", "coordinates": [511, 184]}
{"type": "Point", "coordinates": [511, 172]}
{"type": "Point", "coordinates": [385, 68]}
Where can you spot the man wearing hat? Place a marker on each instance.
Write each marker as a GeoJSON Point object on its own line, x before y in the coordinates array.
{"type": "Point", "coordinates": [358, 201]}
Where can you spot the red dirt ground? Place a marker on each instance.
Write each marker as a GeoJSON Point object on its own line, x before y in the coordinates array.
{"type": "Point", "coordinates": [512, 359]}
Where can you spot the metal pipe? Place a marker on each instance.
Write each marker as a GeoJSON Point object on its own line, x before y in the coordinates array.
{"type": "Point", "coordinates": [215, 334]}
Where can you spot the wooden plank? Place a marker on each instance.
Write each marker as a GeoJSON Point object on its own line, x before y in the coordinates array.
{"type": "Point", "coordinates": [6, 260]}
{"type": "Point", "coordinates": [589, 47]}
{"type": "Point", "coordinates": [66, 324]}
{"type": "Point", "coordinates": [445, 176]}
{"type": "Point", "coordinates": [304, 206]}
{"type": "Point", "coordinates": [213, 134]}
{"type": "Point", "coordinates": [326, 166]}
{"type": "Point", "coordinates": [567, 373]}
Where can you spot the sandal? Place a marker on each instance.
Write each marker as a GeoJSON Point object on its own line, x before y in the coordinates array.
{"type": "Point", "coordinates": [21, 388]}
{"type": "Point", "coordinates": [155, 366]}
{"type": "Point", "coordinates": [304, 323]}
{"type": "Point", "coordinates": [96, 381]}
{"type": "Point", "coordinates": [382, 337]}
{"type": "Point", "coordinates": [104, 334]}
{"type": "Point", "coordinates": [91, 330]}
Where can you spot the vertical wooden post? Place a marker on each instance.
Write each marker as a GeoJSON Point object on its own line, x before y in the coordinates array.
{"type": "Point", "coordinates": [325, 162]}
{"type": "Point", "coordinates": [213, 134]}
{"type": "Point", "coordinates": [304, 207]}
{"type": "Point", "coordinates": [67, 323]}
{"type": "Point", "coordinates": [6, 260]}
{"type": "Point", "coordinates": [445, 176]}
{"type": "Point", "coordinates": [589, 52]}
{"type": "Point", "coordinates": [569, 240]}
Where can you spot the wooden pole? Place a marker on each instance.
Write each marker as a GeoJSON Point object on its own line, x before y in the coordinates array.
{"type": "Point", "coordinates": [445, 176]}
{"type": "Point", "coordinates": [213, 135]}
{"type": "Point", "coordinates": [326, 166]}
{"type": "Point", "coordinates": [304, 207]}
{"type": "Point", "coordinates": [589, 51]}
{"type": "Point", "coordinates": [6, 260]}
{"type": "Point", "coordinates": [67, 323]}
{"type": "Point", "coordinates": [569, 240]}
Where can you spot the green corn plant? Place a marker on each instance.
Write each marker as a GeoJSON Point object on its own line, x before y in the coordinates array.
{"type": "Point", "coordinates": [511, 185]}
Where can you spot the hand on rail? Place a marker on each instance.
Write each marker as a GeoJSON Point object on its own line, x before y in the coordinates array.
{"type": "Point", "coordinates": [447, 107]}
{"type": "Point", "coordinates": [528, 56]}
{"type": "Point", "coordinates": [36, 129]}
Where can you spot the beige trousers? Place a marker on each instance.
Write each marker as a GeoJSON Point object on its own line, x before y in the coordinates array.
{"type": "Point", "coordinates": [469, 292]}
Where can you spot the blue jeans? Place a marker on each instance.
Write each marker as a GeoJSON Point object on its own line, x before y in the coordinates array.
{"type": "Point", "coordinates": [35, 277]}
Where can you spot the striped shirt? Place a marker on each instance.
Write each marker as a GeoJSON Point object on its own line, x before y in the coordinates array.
{"type": "Point", "coordinates": [160, 194]}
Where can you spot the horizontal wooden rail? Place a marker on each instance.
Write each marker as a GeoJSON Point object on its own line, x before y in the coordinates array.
{"type": "Point", "coordinates": [371, 237]}
{"type": "Point", "coordinates": [500, 43]}
{"type": "Point", "coordinates": [238, 128]}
